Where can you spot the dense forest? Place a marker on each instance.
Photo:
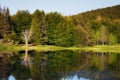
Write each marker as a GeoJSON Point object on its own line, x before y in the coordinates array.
{"type": "Point", "coordinates": [97, 27]}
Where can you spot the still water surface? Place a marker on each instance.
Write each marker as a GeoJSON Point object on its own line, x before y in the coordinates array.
{"type": "Point", "coordinates": [59, 65]}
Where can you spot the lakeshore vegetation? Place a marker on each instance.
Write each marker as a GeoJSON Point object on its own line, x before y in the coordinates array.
{"type": "Point", "coordinates": [97, 27]}
{"type": "Point", "coordinates": [98, 48]}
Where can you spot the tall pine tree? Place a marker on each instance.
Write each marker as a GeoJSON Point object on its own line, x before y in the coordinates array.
{"type": "Point", "coordinates": [38, 27]}
{"type": "Point", "coordinates": [4, 23]}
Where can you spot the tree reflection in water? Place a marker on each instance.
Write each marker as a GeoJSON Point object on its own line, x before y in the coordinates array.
{"type": "Point", "coordinates": [27, 60]}
{"type": "Point", "coordinates": [4, 66]}
{"type": "Point", "coordinates": [62, 65]}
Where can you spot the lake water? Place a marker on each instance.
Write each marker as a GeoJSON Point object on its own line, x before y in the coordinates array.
{"type": "Point", "coordinates": [59, 65]}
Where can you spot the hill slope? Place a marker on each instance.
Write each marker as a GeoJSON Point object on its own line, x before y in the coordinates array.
{"type": "Point", "coordinates": [106, 21]}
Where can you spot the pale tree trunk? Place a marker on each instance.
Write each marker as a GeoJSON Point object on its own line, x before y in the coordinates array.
{"type": "Point", "coordinates": [27, 60]}
{"type": "Point", "coordinates": [26, 55]}
{"type": "Point", "coordinates": [26, 37]}
{"type": "Point", "coordinates": [26, 41]}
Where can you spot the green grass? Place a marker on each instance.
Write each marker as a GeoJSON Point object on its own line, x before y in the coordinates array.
{"type": "Point", "coordinates": [115, 48]}
{"type": "Point", "coordinates": [98, 48]}
{"type": "Point", "coordinates": [37, 48]}
{"type": "Point", "coordinates": [45, 48]}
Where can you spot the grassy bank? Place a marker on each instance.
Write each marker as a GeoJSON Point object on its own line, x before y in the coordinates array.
{"type": "Point", "coordinates": [98, 48]}
{"type": "Point", "coordinates": [37, 48]}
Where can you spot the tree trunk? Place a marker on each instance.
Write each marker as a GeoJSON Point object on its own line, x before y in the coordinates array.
{"type": "Point", "coordinates": [26, 41]}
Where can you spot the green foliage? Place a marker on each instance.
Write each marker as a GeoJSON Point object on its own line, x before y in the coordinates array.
{"type": "Point", "coordinates": [38, 28]}
{"type": "Point", "coordinates": [95, 27]}
{"type": "Point", "coordinates": [4, 23]}
{"type": "Point", "coordinates": [112, 39]}
{"type": "Point", "coordinates": [52, 21]}
{"type": "Point", "coordinates": [21, 21]}
{"type": "Point", "coordinates": [108, 17]}
{"type": "Point", "coordinates": [60, 30]}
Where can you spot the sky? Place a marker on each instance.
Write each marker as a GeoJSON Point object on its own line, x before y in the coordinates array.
{"type": "Point", "coordinates": [65, 7]}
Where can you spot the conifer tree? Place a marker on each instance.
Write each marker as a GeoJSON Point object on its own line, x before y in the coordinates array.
{"type": "Point", "coordinates": [4, 23]}
{"type": "Point", "coordinates": [38, 27]}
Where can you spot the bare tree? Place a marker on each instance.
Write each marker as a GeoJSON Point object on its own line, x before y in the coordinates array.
{"type": "Point", "coordinates": [26, 34]}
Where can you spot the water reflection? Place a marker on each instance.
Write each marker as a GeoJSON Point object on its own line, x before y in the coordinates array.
{"type": "Point", "coordinates": [27, 60]}
{"type": "Point", "coordinates": [60, 65]}
{"type": "Point", "coordinates": [4, 66]}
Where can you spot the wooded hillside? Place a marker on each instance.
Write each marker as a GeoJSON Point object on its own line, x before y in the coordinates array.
{"type": "Point", "coordinates": [95, 27]}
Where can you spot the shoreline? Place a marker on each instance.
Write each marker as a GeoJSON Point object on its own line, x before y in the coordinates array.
{"type": "Point", "coordinates": [97, 48]}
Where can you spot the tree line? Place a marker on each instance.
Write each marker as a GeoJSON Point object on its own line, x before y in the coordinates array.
{"type": "Point", "coordinates": [96, 27]}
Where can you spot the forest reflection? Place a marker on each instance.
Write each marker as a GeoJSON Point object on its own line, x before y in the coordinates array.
{"type": "Point", "coordinates": [60, 65]}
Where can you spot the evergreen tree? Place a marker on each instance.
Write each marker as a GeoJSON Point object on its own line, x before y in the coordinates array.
{"type": "Point", "coordinates": [21, 21]}
{"type": "Point", "coordinates": [38, 27]}
{"type": "Point", "coordinates": [4, 23]}
{"type": "Point", "coordinates": [52, 21]}
{"type": "Point", "coordinates": [1, 24]}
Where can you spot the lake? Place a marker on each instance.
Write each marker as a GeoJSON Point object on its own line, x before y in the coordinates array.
{"type": "Point", "coordinates": [59, 65]}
